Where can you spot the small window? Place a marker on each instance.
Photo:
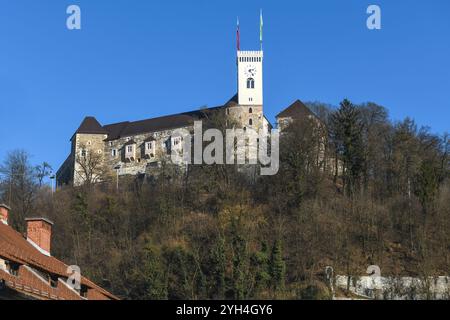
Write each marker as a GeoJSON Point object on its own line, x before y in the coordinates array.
{"type": "Point", "coordinates": [129, 148]}
{"type": "Point", "coordinates": [250, 110]}
{"type": "Point", "coordinates": [176, 141]}
{"type": "Point", "coordinates": [128, 139]}
{"type": "Point", "coordinates": [250, 83]}
{"type": "Point", "coordinates": [83, 153]}
{"type": "Point", "coordinates": [99, 151]}
{"type": "Point", "coordinates": [89, 142]}
{"type": "Point", "coordinates": [149, 145]}
{"type": "Point", "coordinates": [114, 152]}
{"type": "Point", "coordinates": [53, 281]}
{"type": "Point", "coordinates": [110, 143]}
{"type": "Point", "coordinates": [250, 122]}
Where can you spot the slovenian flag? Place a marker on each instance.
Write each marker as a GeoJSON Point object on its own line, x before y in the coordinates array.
{"type": "Point", "coordinates": [260, 26]}
{"type": "Point", "coordinates": [238, 44]}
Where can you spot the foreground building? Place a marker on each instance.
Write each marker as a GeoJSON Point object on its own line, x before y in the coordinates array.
{"type": "Point", "coordinates": [29, 272]}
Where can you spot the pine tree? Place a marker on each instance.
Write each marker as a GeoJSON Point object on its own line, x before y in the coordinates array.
{"type": "Point", "coordinates": [277, 268]}
{"type": "Point", "coordinates": [218, 266]}
{"type": "Point", "coordinates": [239, 262]}
{"type": "Point", "coordinates": [178, 261]}
{"type": "Point", "coordinates": [154, 279]}
{"type": "Point", "coordinates": [260, 264]}
{"type": "Point", "coordinates": [347, 134]}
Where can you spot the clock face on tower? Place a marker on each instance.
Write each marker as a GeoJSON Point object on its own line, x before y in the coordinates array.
{"type": "Point", "coordinates": [250, 70]}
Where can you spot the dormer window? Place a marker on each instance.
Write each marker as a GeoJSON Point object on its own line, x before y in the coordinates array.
{"type": "Point", "coordinates": [250, 83]}
{"type": "Point", "coordinates": [129, 151]}
{"type": "Point", "coordinates": [12, 268]}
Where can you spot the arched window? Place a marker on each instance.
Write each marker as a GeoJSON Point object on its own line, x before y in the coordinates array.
{"type": "Point", "coordinates": [250, 110]}
{"type": "Point", "coordinates": [250, 83]}
{"type": "Point", "coordinates": [250, 122]}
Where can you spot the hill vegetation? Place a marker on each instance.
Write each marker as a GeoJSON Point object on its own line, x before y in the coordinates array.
{"type": "Point", "coordinates": [211, 232]}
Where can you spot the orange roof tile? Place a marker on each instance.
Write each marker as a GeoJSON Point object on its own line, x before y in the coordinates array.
{"type": "Point", "coordinates": [14, 247]}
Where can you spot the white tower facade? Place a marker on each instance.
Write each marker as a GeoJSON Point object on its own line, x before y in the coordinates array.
{"type": "Point", "coordinates": [250, 78]}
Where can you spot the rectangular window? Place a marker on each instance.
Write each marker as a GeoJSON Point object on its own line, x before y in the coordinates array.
{"type": "Point", "coordinates": [114, 152]}
{"type": "Point", "coordinates": [129, 148]}
{"type": "Point", "coordinates": [149, 145]}
{"type": "Point", "coordinates": [176, 141]}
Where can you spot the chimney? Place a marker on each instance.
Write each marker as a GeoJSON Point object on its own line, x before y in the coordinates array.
{"type": "Point", "coordinates": [4, 210]}
{"type": "Point", "coordinates": [39, 234]}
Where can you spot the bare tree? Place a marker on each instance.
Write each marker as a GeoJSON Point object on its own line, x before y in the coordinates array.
{"type": "Point", "coordinates": [43, 170]}
{"type": "Point", "coordinates": [91, 167]}
{"type": "Point", "coordinates": [19, 184]}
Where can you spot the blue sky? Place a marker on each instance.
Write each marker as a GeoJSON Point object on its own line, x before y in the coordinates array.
{"type": "Point", "coordinates": [140, 59]}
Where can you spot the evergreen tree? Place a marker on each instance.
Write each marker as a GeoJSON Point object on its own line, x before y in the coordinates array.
{"type": "Point", "coordinates": [178, 262]}
{"type": "Point", "coordinates": [277, 268]}
{"type": "Point", "coordinates": [239, 262]}
{"type": "Point", "coordinates": [153, 277]}
{"type": "Point", "coordinates": [347, 133]}
{"type": "Point", "coordinates": [260, 264]}
{"type": "Point", "coordinates": [218, 266]}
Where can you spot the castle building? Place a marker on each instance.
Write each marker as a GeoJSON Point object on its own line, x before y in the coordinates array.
{"type": "Point", "coordinates": [135, 147]}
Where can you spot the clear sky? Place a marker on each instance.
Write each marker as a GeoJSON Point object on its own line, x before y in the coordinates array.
{"type": "Point", "coordinates": [140, 59]}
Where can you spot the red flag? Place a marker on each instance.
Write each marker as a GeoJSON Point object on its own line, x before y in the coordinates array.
{"type": "Point", "coordinates": [238, 41]}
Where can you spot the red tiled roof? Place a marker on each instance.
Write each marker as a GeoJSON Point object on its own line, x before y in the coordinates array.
{"type": "Point", "coordinates": [15, 248]}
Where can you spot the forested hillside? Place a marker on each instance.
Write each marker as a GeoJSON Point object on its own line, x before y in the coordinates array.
{"type": "Point", "coordinates": [212, 232]}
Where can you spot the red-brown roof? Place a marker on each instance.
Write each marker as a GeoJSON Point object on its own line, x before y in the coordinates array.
{"type": "Point", "coordinates": [91, 125]}
{"type": "Point", "coordinates": [296, 110]}
{"type": "Point", "coordinates": [15, 248]}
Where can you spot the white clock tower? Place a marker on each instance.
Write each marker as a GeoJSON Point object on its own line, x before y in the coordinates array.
{"type": "Point", "coordinates": [250, 78]}
{"type": "Point", "coordinates": [248, 111]}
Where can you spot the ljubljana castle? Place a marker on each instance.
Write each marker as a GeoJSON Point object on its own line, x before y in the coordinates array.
{"type": "Point", "coordinates": [135, 147]}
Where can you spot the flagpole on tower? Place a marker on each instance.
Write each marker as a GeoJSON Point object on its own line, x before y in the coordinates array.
{"type": "Point", "coordinates": [261, 29]}
{"type": "Point", "coordinates": [238, 40]}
